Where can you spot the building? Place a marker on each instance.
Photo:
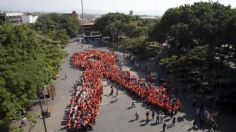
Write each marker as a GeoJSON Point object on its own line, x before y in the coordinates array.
{"type": "Point", "coordinates": [87, 26]}
{"type": "Point", "coordinates": [29, 19]}
{"type": "Point", "coordinates": [148, 17]}
{"type": "Point", "coordinates": [74, 14]}
{"type": "Point", "coordinates": [11, 17]}
{"type": "Point", "coordinates": [131, 13]}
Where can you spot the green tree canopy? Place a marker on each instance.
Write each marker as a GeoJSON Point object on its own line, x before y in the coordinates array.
{"type": "Point", "coordinates": [54, 21]}
{"type": "Point", "coordinates": [188, 26]}
{"type": "Point", "coordinates": [28, 61]}
{"type": "Point", "coordinates": [115, 24]}
{"type": "Point", "coordinates": [201, 44]}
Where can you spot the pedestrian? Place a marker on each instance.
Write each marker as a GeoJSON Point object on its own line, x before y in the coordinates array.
{"type": "Point", "coordinates": [194, 123]}
{"type": "Point", "coordinates": [121, 65]}
{"type": "Point", "coordinates": [176, 91]}
{"type": "Point", "coordinates": [136, 115]}
{"type": "Point", "coordinates": [171, 114]}
{"type": "Point", "coordinates": [213, 126]}
{"type": "Point", "coordinates": [65, 75]}
{"type": "Point", "coordinates": [173, 122]}
{"type": "Point", "coordinates": [23, 122]}
{"type": "Point", "coordinates": [157, 118]}
{"type": "Point", "coordinates": [164, 126]}
{"type": "Point", "coordinates": [200, 123]}
{"type": "Point", "coordinates": [194, 102]}
{"type": "Point", "coordinates": [108, 83]}
{"type": "Point", "coordinates": [198, 111]}
{"type": "Point", "coordinates": [161, 117]}
{"type": "Point", "coordinates": [111, 93]}
{"type": "Point", "coordinates": [153, 114]}
{"type": "Point", "coordinates": [117, 92]}
{"type": "Point", "coordinates": [133, 105]}
{"type": "Point", "coordinates": [147, 116]}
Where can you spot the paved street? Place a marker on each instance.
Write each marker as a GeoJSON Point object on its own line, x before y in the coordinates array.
{"type": "Point", "coordinates": [114, 116]}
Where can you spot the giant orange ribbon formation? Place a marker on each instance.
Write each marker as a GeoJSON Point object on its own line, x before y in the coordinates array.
{"type": "Point", "coordinates": [98, 64]}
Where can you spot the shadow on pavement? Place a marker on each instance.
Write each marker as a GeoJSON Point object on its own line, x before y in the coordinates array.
{"type": "Point", "coordinates": [180, 119]}
{"type": "Point", "coordinates": [132, 120]}
{"type": "Point", "coordinates": [154, 124]}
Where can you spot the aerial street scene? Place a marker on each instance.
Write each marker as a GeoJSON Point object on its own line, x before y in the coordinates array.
{"type": "Point", "coordinates": [117, 65]}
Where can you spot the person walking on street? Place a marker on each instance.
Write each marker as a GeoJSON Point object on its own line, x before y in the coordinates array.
{"type": "Point", "coordinates": [164, 126]}
{"type": "Point", "coordinates": [161, 117]}
{"type": "Point", "coordinates": [194, 102]}
{"type": "Point", "coordinates": [65, 75]}
{"type": "Point", "coordinates": [136, 115]}
{"type": "Point", "coordinates": [157, 118]}
{"type": "Point", "coordinates": [111, 93]}
{"type": "Point", "coordinates": [108, 81]}
{"type": "Point", "coordinates": [147, 116]}
{"type": "Point", "coordinates": [153, 114]}
{"type": "Point", "coordinates": [23, 124]}
{"type": "Point", "coordinates": [117, 92]}
{"type": "Point", "coordinates": [194, 123]}
{"type": "Point", "coordinates": [173, 121]}
{"type": "Point", "coordinates": [133, 105]}
{"type": "Point", "coordinates": [171, 114]}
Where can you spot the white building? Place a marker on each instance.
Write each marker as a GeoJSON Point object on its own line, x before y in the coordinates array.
{"type": "Point", "coordinates": [29, 19]}
{"type": "Point", "coordinates": [11, 17]}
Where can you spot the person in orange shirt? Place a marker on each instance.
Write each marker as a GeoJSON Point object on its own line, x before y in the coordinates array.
{"type": "Point", "coordinates": [68, 125]}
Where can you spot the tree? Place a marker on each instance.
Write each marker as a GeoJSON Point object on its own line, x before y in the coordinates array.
{"type": "Point", "coordinates": [28, 61]}
{"type": "Point", "coordinates": [187, 26]}
{"type": "Point", "coordinates": [53, 21]}
{"type": "Point", "coordinates": [117, 24]}
{"type": "Point", "coordinates": [201, 43]}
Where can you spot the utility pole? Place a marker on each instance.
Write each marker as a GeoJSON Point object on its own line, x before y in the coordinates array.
{"type": "Point", "coordinates": [40, 104]}
{"type": "Point", "coordinates": [82, 8]}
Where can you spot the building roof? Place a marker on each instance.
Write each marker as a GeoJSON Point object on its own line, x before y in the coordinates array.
{"type": "Point", "coordinates": [87, 22]}
{"type": "Point", "coordinates": [11, 14]}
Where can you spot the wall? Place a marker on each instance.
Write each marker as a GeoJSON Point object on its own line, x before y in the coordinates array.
{"type": "Point", "coordinates": [29, 19]}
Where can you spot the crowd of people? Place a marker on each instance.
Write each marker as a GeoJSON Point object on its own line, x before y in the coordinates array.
{"type": "Point", "coordinates": [97, 65]}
